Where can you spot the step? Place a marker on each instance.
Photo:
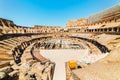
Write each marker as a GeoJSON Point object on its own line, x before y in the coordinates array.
{"type": "Point", "coordinates": [6, 69]}
{"type": "Point", "coordinates": [4, 63]}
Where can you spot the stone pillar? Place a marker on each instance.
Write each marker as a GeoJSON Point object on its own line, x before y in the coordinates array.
{"type": "Point", "coordinates": [93, 30]}
{"type": "Point", "coordinates": [118, 29]}
{"type": "Point", "coordinates": [1, 23]}
{"type": "Point", "coordinates": [107, 29]}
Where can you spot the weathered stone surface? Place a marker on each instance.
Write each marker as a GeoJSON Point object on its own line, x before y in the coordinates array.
{"type": "Point", "coordinates": [4, 63]}
{"type": "Point", "coordinates": [6, 69]}
{"type": "Point", "coordinates": [105, 69]}
{"type": "Point", "coordinates": [15, 73]}
{"type": "Point", "coordinates": [3, 76]}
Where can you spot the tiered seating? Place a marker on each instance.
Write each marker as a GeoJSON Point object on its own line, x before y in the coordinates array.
{"type": "Point", "coordinates": [7, 72]}
{"type": "Point", "coordinates": [15, 49]}
{"type": "Point", "coordinates": [7, 59]}
{"type": "Point", "coordinates": [100, 46]}
{"type": "Point", "coordinates": [112, 24]}
{"type": "Point", "coordinates": [41, 68]}
{"type": "Point", "coordinates": [6, 46]}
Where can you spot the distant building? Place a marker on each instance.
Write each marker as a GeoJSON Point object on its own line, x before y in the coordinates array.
{"type": "Point", "coordinates": [76, 23]}
{"type": "Point", "coordinates": [47, 29]}
{"type": "Point", "coordinates": [106, 19]}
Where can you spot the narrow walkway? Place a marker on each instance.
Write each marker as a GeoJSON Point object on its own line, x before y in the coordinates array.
{"type": "Point", "coordinates": [60, 57]}
{"type": "Point", "coordinates": [26, 54]}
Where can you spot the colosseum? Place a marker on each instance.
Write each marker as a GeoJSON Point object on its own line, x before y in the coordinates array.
{"type": "Point", "coordinates": [87, 49]}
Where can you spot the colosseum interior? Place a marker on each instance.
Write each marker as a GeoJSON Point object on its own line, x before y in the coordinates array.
{"type": "Point", "coordinates": [87, 49]}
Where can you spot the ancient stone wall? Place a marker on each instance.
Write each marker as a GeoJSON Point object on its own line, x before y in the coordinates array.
{"type": "Point", "coordinates": [76, 23]}
{"type": "Point", "coordinates": [97, 17]}
{"type": "Point", "coordinates": [8, 27]}
{"type": "Point", "coordinates": [47, 29]}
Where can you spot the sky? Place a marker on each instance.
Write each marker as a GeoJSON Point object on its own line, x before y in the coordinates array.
{"type": "Point", "coordinates": [50, 12]}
